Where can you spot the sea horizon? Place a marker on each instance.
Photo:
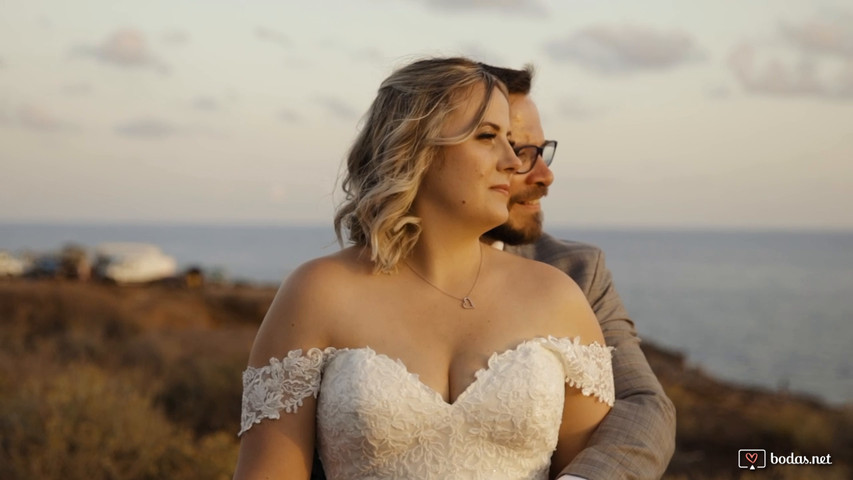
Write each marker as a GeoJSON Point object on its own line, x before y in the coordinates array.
{"type": "Point", "coordinates": [731, 228]}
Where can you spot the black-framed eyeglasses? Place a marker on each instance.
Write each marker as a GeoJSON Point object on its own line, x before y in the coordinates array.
{"type": "Point", "coordinates": [528, 154]}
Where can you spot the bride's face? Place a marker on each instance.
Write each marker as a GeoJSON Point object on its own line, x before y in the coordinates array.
{"type": "Point", "coordinates": [470, 180]}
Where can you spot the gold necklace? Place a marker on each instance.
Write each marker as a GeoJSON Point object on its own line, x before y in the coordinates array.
{"type": "Point", "coordinates": [466, 300]}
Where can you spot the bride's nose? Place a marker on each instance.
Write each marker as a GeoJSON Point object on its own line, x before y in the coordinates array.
{"type": "Point", "coordinates": [508, 161]}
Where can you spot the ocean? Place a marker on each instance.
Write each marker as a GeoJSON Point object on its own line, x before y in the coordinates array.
{"type": "Point", "coordinates": [766, 308]}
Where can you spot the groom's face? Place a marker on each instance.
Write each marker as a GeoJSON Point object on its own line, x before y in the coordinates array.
{"type": "Point", "coordinates": [525, 212]}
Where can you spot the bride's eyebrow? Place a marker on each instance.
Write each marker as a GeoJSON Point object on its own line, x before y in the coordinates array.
{"type": "Point", "coordinates": [492, 125]}
{"type": "Point", "coordinates": [496, 127]}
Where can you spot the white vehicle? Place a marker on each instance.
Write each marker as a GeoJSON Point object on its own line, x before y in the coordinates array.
{"type": "Point", "coordinates": [133, 262]}
{"type": "Point", "coordinates": [11, 266]}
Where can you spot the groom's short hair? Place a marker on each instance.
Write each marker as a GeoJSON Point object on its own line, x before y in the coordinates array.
{"type": "Point", "coordinates": [516, 81]}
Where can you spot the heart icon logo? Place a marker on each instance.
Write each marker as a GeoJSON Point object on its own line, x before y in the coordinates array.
{"type": "Point", "coordinates": [752, 457]}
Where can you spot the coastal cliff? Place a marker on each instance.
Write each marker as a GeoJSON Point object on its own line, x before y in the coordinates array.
{"type": "Point", "coordinates": [106, 382]}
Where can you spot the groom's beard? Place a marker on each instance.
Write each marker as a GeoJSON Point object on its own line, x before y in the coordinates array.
{"type": "Point", "coordinates": [521, 227]}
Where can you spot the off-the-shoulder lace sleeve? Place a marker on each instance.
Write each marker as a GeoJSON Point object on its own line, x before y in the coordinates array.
{"type": "Point", "coordinates": [588, 367]}
{"type": "Point", "coordinates": [281, 385]}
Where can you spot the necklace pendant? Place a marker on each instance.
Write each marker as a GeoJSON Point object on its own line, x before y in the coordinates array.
{"type": "Point", "coordinates": [467, 304]}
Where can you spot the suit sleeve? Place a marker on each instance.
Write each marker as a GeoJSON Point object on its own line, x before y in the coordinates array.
{"type": "Point", "coordinates": [636, 439]}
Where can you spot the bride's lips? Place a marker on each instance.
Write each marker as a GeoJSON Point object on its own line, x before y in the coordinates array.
{"type": "Point", "coordinates": [504, 189]}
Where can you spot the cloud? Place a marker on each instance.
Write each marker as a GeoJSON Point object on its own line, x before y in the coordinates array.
{"type": "Point", "coordinates": [77, 89]}
{"type": "Point", "coordinates": [147, 128]}
{"type": "Point", "coordinates": [124, 48]}
{"type": "Point", "coordinates": [337, 108]}
{"type": "Point", "coordinates": [289, 116]}
{"type": "Point", "coordinates": [719, 92]}
{"type": "Point", "coordinates": [625, 49]}
{"type": "Point", "coordinates": [273, 36]}
{"type": "Point", "coordinates": [176, 37]}
{"type": "Point", "coordinates": [830, 35]}
{"type": "Point", "coordinates": [767, 74]}
{"type": "Point", "coordinates": [816, 60]}
{"type": "Point", "coordinates": [34, 117]}
{"type": "Point", "coordinates": [480, 53]}
{"type": "Point", "coordinates": [531, 7]}
{"type": "Point", "coordinates": [37, 118]}
{"type": "Point", "coordinates": [575, 109]}
{"type": "Point", "coordinates": [844, 80]}
{"type": "Point", "coordinates": [206, 104]}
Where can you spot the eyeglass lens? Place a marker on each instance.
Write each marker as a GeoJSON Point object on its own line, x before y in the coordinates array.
{"type": "Point", "coordinates": [548, 150]}
{"type": "Point", "coordinates": [529, 153]}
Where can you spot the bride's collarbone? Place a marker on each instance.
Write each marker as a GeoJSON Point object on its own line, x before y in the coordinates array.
{"type": "Point", "coordinates": [443, 317]}
{"type": "Point", "coordinates": [414, 316]}
{"type": "Point", "coordinates": [429, 320]}
{"type": "Point", "coordinates": [442, 336]}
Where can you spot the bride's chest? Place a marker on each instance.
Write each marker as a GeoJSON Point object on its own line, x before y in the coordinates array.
{"type": "Point", "coordinates": [443, 354]}
{"type": "Point", "coordinates": [519, 396]}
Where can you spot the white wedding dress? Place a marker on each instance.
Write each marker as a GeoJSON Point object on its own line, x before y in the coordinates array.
{"type": "Point", "coordinates": [376, 420]}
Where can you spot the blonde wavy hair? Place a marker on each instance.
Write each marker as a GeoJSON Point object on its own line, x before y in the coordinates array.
{"type": "Point", "coordinates": [400, 139]}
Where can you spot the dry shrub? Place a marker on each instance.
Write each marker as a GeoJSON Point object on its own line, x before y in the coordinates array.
{"type": "Point", "coordinates": [33, 313]}
{"type": "Point", "coordinates": [144, 352]}
{"type": "Point", "coordinates": [204, 394]}
{"type": "Point", "coordinates": [239, 306]}
{"type": "Point", "coordinates": [82, 423]}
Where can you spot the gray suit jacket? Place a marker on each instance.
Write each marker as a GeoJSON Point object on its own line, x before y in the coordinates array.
{"type": "Point", "coordinates": [637, 438]}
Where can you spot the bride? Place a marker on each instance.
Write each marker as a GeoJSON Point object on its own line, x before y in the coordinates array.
{"type": "Point", "coordinates": [420, 352]}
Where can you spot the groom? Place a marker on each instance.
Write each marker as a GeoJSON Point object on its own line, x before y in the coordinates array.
{"type": "Point", "coordinates": [637, 438]}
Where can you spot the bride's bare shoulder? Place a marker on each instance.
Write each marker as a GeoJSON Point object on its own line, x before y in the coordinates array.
{"type": "Point", "coordinates": [539, 276]}
{"type": "Point", "coordinates": [310, 304]}
{"type": "Point", "coordinates": [320, 284]}
{"type": "Point", "coordinates": [554, 295]}
{"type": "Point", "coordinates": [324, 273]}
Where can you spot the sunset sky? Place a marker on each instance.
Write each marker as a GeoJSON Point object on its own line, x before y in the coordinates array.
{"type": "Point", "coordinates": [710, 113]}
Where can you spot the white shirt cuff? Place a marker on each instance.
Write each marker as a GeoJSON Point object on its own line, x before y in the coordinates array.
{"type": "Point", "coordinates": [566, 476]}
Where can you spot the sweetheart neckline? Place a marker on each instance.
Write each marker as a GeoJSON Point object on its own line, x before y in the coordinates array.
{"type": "Point", "coordinates": [490, 364]}
{"type": "Point", "coordinates": [283, 384]}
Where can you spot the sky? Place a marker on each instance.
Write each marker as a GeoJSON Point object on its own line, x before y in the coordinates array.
{"type": "Point", "coordinates": [701, 114]}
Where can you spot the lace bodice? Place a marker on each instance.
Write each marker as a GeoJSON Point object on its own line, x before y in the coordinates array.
{"type": "Point", "coordinates": [376, 420]}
